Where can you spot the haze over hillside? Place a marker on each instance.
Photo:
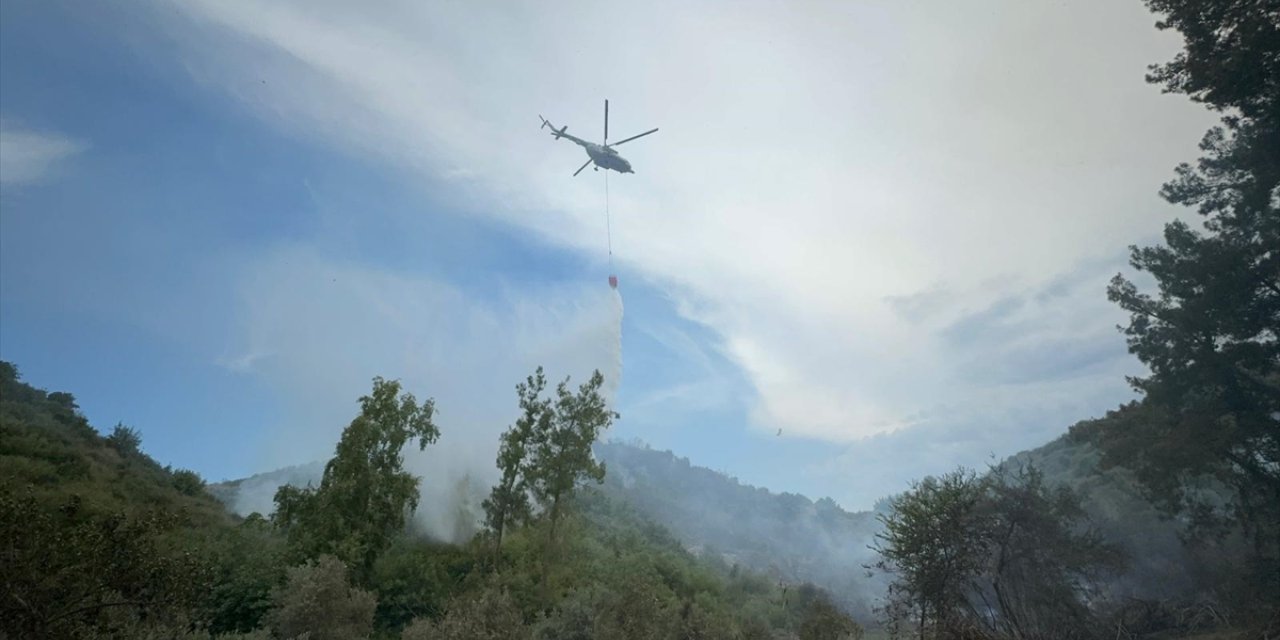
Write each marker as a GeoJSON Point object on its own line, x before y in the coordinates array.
{"type": "Point", "coordinates": [790, 537]}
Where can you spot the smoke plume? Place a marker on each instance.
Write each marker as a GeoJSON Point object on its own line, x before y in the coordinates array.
{"type": "Point", "coordinates": [324, 330]}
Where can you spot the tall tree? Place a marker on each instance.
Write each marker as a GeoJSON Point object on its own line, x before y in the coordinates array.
{"type": "Point", "coordinates": [365, 494]}
{"type": "Point", "coordinates": [562, 457]}
{"type": "Point", "coordinates": [508, 502]}
{"type": "Point", "coordinates": [562, 452]}
{"type": "Point", "coordinates": [1211, 404]}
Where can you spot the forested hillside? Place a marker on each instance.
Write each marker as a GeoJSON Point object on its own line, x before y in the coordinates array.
{"type": "Point", "coordinates": [786, 537]}
{"type": "Point", "coordinates": [791, 539]}
{"type": "Point", "coordinates": [103, 542]}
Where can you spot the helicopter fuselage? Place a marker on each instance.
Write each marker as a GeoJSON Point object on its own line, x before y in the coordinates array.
{"type": "Point", "coordinates": [603, 157]}
{"type": "Point", "coordinates": [606, 157]}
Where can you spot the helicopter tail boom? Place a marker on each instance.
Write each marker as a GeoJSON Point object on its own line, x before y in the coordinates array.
{"type": "Point", "coordinates": [558, 133]}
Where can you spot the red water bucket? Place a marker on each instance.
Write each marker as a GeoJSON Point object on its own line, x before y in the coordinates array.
{"type": "Point", "coordinates": [613, 281]}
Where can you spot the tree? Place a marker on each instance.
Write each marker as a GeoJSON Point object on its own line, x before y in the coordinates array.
{"type": "Point", "coordinates": [1211, 404]}
{"type": "Point", "coordinates": [1002, 555]}
{"type": "Point", "coordinates": [508, 502]}
{"type": "Point", "coordinates": [1042, 563]}
{"type": "Point", "coordinates": [934, 541]}
{"type": "Point", "coordinates": [317, 599]}
{"type": "Point", "coordinates": [561, 457]}
{"type": "Point", "coordinates": [126, 440]}
{"type": "Point", "coordinates": [365, 495]}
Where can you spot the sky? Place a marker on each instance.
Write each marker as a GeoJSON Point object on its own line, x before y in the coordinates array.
{"type": "Point", "coordinates": [869, 243]}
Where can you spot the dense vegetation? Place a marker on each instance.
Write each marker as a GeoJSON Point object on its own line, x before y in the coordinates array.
{"type": "Point", "coordinates": [101, 541]}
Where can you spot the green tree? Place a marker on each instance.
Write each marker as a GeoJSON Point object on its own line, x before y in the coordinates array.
{"type": "Point", "coordinates": [248, 563]}
{"type": "Point", "coordinates": [416, 578]}
{"type": "Point", "coordinates": [317, 599]}
{"type": "Point", "coordinates": [1211, 404]}
{"type": "Point", "coordinates": [365, 495]}
{"type": "Point", "coordinates": [126, 440]}
{"type": "Point", "coordinates": [508, 502]}
{"type": "Point", "coordinates": [562, 458]}
{"type": "Point", "coordinates": [934, 542]}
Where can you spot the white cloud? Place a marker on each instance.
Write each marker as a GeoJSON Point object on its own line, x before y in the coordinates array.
{"type": "Point", "coordinates": [28, 156]}
{"type": "Point", "coordinates": [833, 185]}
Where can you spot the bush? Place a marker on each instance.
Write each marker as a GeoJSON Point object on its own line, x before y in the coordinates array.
{"type": "Point", "coordinates": [317, 599]}
{"type": "Point", "coordinates": [188, 483]}
{"type": "Point", "coordinates": [489, 615]}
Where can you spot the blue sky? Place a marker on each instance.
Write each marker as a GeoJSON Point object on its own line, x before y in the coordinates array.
{"type": "Point", "coordinates": [218, 220]}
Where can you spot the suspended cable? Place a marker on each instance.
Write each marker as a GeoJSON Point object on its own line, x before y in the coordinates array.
{"type": "Point", "coordinates": [608, 226]}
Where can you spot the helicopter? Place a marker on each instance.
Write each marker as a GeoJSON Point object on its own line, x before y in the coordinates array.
{"type": "Point", "coordinates": [601, 154]}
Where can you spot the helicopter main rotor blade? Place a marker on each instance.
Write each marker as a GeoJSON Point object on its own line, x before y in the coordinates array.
{"type": "Point", "coordinates": [632, 138]}
{"type": "Point", "coordinates": [606, 121]}
{"type": "Point", "coordinates": [584, 166]}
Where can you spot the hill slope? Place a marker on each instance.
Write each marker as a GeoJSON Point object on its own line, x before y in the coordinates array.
{"type": "Point", "coordinates": [102, 541]}
{"type": "Point", "coordinates": [788, 537]}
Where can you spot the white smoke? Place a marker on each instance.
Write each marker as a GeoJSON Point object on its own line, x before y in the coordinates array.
{"type": "Point", "coordinates": [456, 477]}
{"type": "Point", "coordinates": [324, 329]}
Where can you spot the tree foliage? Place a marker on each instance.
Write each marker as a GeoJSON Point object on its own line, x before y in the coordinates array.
{"type": "Point", "coordinates": [823, 621]}
{"type": "Point", "coordinates": [561, 458]}
{"type": "Point", "coordinates": [489, 614]}
{"type": "Point", "coordinates": [365, 495]}
{"type": "Point", "coordinates": [67, 569]}
{"type": "Point", "coordinates": [1208, 334]}
{"type": "Point", "coordinates": [995, 555]}
{"type": "Point", "coordinates": [508, 502]}
{"type": "Point", "coordinates": [317, 600]}
{"type": "Point", "coordinates": [935, 540]}
{"type": "Point", "coordinates": [125, 440]}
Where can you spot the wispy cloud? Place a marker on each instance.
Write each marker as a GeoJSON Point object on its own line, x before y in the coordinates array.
{"type": "Point", "coordinates": [28, 156]}
{"type": "Point", "coordinates": [242, 363]}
